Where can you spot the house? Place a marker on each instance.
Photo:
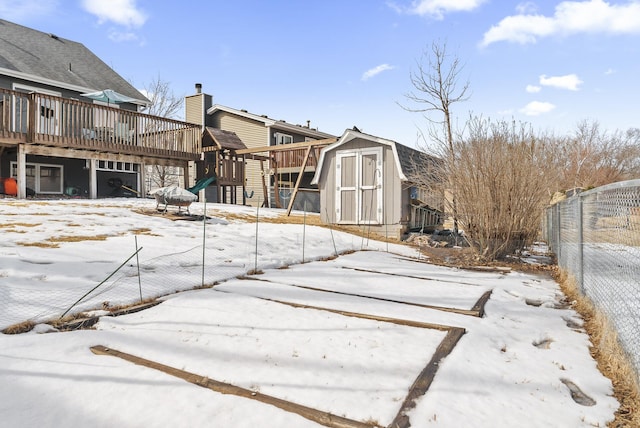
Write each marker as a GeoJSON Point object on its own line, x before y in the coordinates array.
{"type": "Point", "coordinates": [374, 182]}
{"type": "Point", "coordinates": [55, 141]}
{"type": "Point", "coordinates": [265, 170]}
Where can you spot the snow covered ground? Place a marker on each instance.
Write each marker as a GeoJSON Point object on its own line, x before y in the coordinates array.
{"type": "Point", "coordinates": [526, 363]}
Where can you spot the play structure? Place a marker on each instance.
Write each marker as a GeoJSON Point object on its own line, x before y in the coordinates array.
{"type": "Point", "coordinates": [220, 159]}
{"type": "Point", "coordinates": [201, 184]}
{"type": "Point", "coordinates": [285, 160]}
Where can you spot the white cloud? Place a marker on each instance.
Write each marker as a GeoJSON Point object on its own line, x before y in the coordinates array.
{"type": "Point", "coordinates": [121, 12]}
{"type": "Point", "coordinates": [376, 70]}
{"type": "Point", "coordinates": [569, 81]}
{"type": "Point", "coordinates": [570, 17]}
{"type": "Point", "coordinates": [536, 108]}
{"type": "Point", "coordinates": [527, 7]}
{"type": "Point", "coordinates": [533, 89]}
{"type": "Point", "coordinates": [17, 10]}
{"type": "Point", "coordinates": [438, 8]}
{"type": "Point", "coordinates": [120, 36]}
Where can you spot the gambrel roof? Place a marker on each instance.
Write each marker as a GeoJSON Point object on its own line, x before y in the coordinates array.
{"type": "Point", "coordinates": [51, 60]}
{"type": "Point", "coordinates": [407, 160]}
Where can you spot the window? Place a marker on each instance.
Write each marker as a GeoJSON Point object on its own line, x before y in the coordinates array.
{"type": "Point", "coordinates": [283, 138]}
{"type": "Point", "coordinates": [118, 166]}
{"type": "Point", "coordinates": [41, 178]}
{"type": "Point", "coordinates": [49, 109]}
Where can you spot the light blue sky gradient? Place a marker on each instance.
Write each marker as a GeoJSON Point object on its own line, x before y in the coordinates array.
{"type": "Point", "coordinates": [340, 63]}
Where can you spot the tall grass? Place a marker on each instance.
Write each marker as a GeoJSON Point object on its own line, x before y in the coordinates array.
{"type": "Point", "coordinates": [606, 349]}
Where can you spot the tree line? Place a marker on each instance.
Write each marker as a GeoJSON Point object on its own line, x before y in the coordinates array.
{"type": "Point", "coordinates": [500, 175]}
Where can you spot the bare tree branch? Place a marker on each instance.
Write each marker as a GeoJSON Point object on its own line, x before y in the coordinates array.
{"type": "Point", "coordinates": [435, 86]}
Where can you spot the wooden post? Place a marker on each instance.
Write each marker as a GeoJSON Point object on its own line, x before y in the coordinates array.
{"type": "Point", "coordinates": [22, 172]}
{"type": "Point", "coordinates": [300, 174]}
{"type": "Point", "coordinates": [93, 180]}
{"type": "Point", "coordinates": [244, 181]}
{"type": "Point", "coordinates": [32, 118]}
{"type": "Point", "coordinates": [265, 202]}
{"type": "Point", "coordinates": [276, 185]}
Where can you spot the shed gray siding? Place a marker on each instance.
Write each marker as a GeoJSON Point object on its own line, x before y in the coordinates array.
{"type": "Point", "coordinates": [395, 204]}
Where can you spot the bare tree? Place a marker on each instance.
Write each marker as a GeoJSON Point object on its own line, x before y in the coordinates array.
{"type": "Point", "coordinates": [592, 157]}
{"type": "Point", "coordinates": [502, 185]}
{"type": "Point", "coordinates": [164, 103]}
{"type": "Point", "coordinates": [436, 89]}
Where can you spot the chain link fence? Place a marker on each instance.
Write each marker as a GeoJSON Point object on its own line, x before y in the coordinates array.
{"type": "Point", "coordinates": [596, 238]}
{"type": "Point", "coordinates": [153, 267]}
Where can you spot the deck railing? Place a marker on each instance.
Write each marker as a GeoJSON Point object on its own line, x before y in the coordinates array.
{"type": "Point", "coordinates": [55, 121]}
{"type": "Point", "coordinates": [295, 157]}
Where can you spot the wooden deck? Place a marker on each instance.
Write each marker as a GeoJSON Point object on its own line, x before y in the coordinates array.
{"type": "Point", "coordinates": [47, 120]}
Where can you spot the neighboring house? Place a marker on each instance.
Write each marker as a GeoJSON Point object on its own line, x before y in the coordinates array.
{"type": "Point", "coordinates": [54, 141]}
{"type": "Point", "coordinates": [257, 131]}
{"type": "Point", "coordinates": [367, 180]}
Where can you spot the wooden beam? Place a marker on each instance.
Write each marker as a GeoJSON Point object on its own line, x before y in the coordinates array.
{"type": "Point", "coordinates": [265, 199]}
{"type": "Point", "coordinates": [60, 152]}
{"type": "Point", "coordinates": [318, 416]}
{"type": "Point", "coordinates": [285, 147]}
{"type": "Point", "coordinates": [300, 174]}
{"type": "Point", "coordinates": [276, 185]}
{"type": "Point", "coordinates": [254, 156]}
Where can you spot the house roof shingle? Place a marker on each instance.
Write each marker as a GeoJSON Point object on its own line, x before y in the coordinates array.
{"type": "Point", "coordinates": [269, 122]}
{"type": "Point", "coordinates": [45, 58]}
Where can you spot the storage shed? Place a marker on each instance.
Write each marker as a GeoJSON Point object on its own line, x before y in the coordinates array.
{"type": "Point", "coordinates": [368, 180]}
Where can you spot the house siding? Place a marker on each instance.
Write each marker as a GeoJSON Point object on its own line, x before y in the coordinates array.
{"type": "Point", "coordinates": [194, 111]}
{"type": "Point", "coordinates": [252, 134]}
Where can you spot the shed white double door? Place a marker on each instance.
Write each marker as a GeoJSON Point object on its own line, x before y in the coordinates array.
{"type": "Point", "coordinates": [359, 186]}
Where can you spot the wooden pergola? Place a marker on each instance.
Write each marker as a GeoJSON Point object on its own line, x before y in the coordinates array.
{"type": "Point", "coordinates": [295, 155]}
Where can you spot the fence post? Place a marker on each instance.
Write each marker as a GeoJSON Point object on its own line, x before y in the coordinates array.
{"type": "Point", "coordinates": [204, 234]}
{"type": "Point", "coordinates": [580, 226]}
{"type": "Point", "coordinates": [557, 224]}
{"type": "Point", "coordinates": [255, 265]}
{"type": "Point", "coordinates": [138, 264]}
{"type": "Point", "coordinates": [304, 229]}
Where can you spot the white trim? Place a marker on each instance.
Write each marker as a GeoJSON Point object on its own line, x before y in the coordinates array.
{"type": "Point", "coordinates": [27, 88]}
{"type": "Point", "coordinates": [349, 135]}
{"type": "Point", "coordinates": [359, 187]}
{"type": "Point", "coordinates": [57, 84]}
{"type": "Point", "coordinates": [340, 188]}
{"type": "Point", "coordinates": [36, 178]}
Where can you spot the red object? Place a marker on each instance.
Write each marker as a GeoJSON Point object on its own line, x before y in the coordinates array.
{"type": "Point", "coordinates": [10, 186]}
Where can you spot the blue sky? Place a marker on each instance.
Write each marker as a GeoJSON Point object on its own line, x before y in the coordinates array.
{"type": "Point", "coordinates": [340, 63]}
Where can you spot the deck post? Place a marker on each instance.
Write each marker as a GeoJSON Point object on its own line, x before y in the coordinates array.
{"type": "Point", "coordinates": [142, 178]}
{"type": "Point", "coordinates": [93, 179]}
{"type": "Point", "coordinates": [21, 173]}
